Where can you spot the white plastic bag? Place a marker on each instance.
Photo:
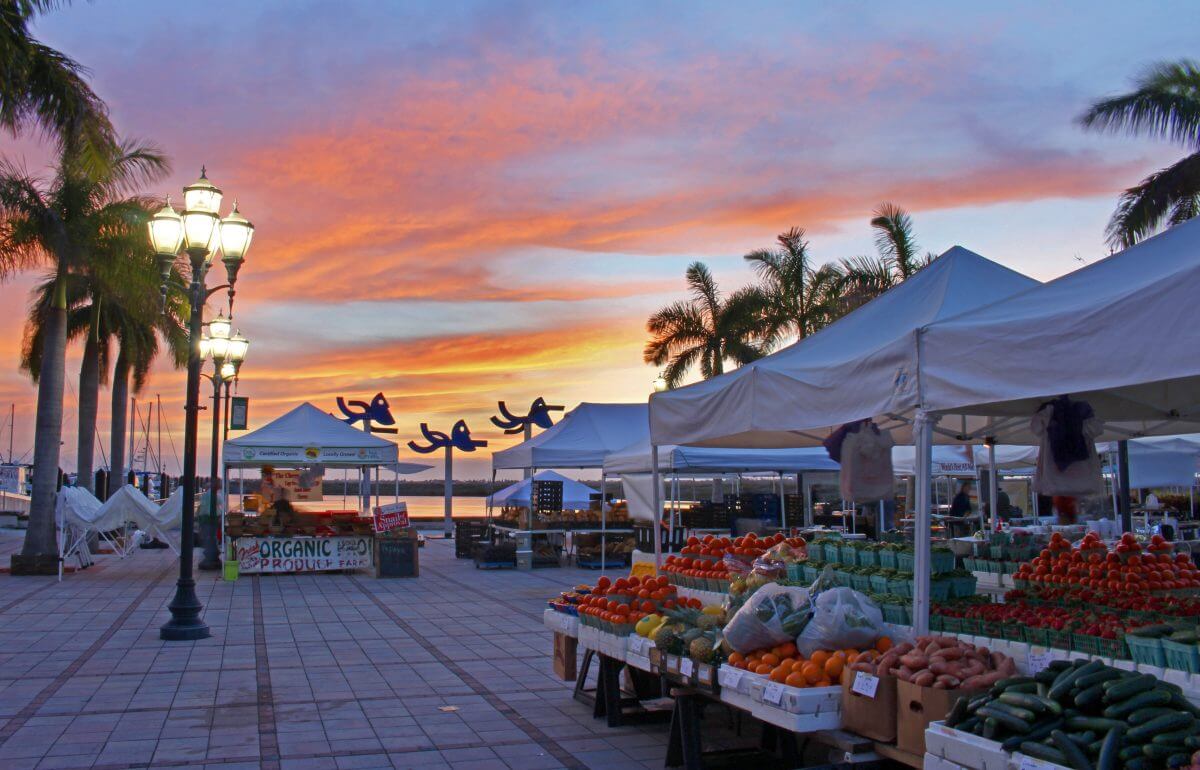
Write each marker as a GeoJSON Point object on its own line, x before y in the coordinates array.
{"type": "Point", "coordinates": [842, 618]}
{"type": "Point", "coordinates": [773, 614]}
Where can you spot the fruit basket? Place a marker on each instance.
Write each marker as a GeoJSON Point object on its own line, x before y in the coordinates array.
{"type": "Point", "coordinates": [1184, 656]}
{"type": "Point", "coordinates": [1098, 645]}
{"type": "Point", "coordinates": [1146, 650]}
{"type": "Point", "coordinates": [848, 555]}
{"type": "Point", "coordinates": [878, 583]}
{"type": "Point", "coordinates": [866, 558]}
{"type": "Point", "coordinates": [887, 559]}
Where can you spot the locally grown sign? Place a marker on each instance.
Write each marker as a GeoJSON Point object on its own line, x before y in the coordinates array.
{"type": "Point", "coordinates": [335, 455]}
{"type": "Point", "coordinates": [239, 412]}
{"type": "Point", "coordinates": [258, 555]}
{"type": "Point", "coordinates": [389, 517]}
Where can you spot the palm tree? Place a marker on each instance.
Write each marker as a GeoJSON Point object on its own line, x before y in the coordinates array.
{"type": "Point", "coordinates": [1165, 104]}
{"type": "Point", "coordinates": [798, 299]}
{"type": "Point", "coordinates": [706, 330]}
{"type": "Point", "coordinates": [59, 223]}
{"type": "Point", "coordinates": [42, 88]}
{"type": "Point", "coordinates": [897, 261]}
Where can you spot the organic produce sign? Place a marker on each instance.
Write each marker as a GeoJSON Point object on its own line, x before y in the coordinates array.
{"type": "Point", "coordinates": [257, 555]}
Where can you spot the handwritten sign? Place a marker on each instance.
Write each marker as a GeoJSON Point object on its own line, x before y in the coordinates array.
{"type": "Point", "coordinates": [1038, 661]}
{"type": "Point", "coordinates": [686, 666]}
{"type": "Point", "coordinates": [389, 517]}
{"type": "Point", "coordinates": [773, 693]}
{"type": "Point", "coordinates": [642, 569]}
{"type": "Point", "coordinates": [258, 555]}
{"type": "Point", "coordinates": [730, 676]}
{"type": "Point", "coordinates": [865, 684]}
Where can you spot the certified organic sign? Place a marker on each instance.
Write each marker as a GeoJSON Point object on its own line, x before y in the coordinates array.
{"type": "Point", "coordinates": [303, 554]}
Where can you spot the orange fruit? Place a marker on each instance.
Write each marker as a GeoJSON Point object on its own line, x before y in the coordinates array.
{"type": "Point", "coordinates": [823, 683]}
{"type": "Point", "coordinates": [798, 666]}
{"type": "Point", "coordinates": [771, 658]}
{"type": "Point", "coordinates": [735, 658]}
{"type": "Point", "coordinates": [779, 674]}
{"type": "Point", "coordinates": [796, 679]}
{"type": "Point", "coordinates": [786, 650]}
{"type": "Point", "coordinates": [763, 668]}
{"type": "Point", "coordinates": [812, 672]}
{"type": "Point", "coordinates": [819, 657]}
{"type": "Point", "coordinates": [834, 666]}
{"type": "Point", "coordinates": [852, 659]}
{"type": "Point", "coordinates": [884, 644]}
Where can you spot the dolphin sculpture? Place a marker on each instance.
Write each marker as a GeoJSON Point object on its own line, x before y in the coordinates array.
{"type": "Point", "coordinates": [539, 415]}
{"type": "Point", "coordinates": [378, 411]}
{"type": "Point", "coordinates": [459, 438]}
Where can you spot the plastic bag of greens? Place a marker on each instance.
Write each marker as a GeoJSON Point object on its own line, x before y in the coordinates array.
{"type": "Point", "coordinates": [772, 615]}
{"type": "Point", "coordinates": [842, 618]}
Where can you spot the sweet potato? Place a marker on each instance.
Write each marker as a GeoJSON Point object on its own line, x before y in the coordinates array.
{"type": "Point", "coordinates": [863, 666]}
{"type": "Point", "coordinates": [915, 660]}
{"type": "Point", "coordinates": [950, 681]}
{"type": "Point", "coordinates": [981, 681]}
{"type": "Point", "coordinates": [902, 648]}
{"type": "Point", "coordinates": [924, 679]}
{"type": "Point", "coordinates": [931, 647]}
{"type": "Point", "coordinates": [948, 653]}
{"type": "Point", "coordinates": [889, 660]}
{"type": "Point", "coordinates": [905, 673]}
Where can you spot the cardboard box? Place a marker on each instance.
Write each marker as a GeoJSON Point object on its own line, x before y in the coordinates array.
{"type": "Point", "coordinates": [873, 718]}
{"type": "Point", "coordinates": [564, 656]}
{"type": "Point", "coordinates": [916, 707]}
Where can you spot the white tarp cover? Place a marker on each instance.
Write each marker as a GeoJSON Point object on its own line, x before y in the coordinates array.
{"type": "Point", "coordinates": [170, 514]}
{"type": "Point", "coordinates": [78, 507]}
{"type": "Point", "coordinates": [639, 495]}
{"type": "Point", "coordinates": [961, 460]}
{"type": "Point", "coordinates": [129, 504]}
{"type": "Point", "coordinates": [1120, 334]}
{"type": "Point", "coordinates": [860, 366]}
{"type": "Point", "coordinates": [306, 435]}
{"type": "Point", "coordinates": [581, 439]}
{"type": "Point", "coordinates": [576, 496]}
{"type": "Point", "coordinates": [676, 459]}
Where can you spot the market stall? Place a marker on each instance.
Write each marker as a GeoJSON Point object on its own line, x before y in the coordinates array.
{"type": "Point", "coordinates": [285, 524]}
{"type": "Point", "coordinates": [582, 439]}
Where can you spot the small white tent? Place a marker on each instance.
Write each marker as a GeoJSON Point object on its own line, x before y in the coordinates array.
{"type": "Point", "coordinates": [306, 435]}
{"type": "Point", "coordinates": [581, 439]}
{"type": "Point", "coordinates": [708, 460]}
{"type": "Point", "coordinates": [576, 496]}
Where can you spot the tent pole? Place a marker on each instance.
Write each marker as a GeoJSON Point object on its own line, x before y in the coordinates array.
{"type": "Point", "coordinates": [1123, 472]}
{"type": "Point", "coordinates": [994, 486]}
{"type": "Point", "coordinates": [1112, 466]}
{"type": "Point", "coordinates": [782, 505]}
{"type": "Point", "coordinates": [447, 493]}
{"type": "Point", "coordinates": [603, 525]}
{"type": "Point", "coordinates": [656, 505]}
{"type": "Point", "coordinates": [923, 424]}
{"type": "Point", "coordinates": [806, 490]}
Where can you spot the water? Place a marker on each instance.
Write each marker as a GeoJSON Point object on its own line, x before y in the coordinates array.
{"type": "Point", "coordinates": [419, 506]}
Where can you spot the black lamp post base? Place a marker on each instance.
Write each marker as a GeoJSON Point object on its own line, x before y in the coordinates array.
{"type": "Point", "coordinates": [185, 623]}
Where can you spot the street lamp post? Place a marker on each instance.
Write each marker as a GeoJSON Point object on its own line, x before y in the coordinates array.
{"type": "Point", "coordinates": [227, 354]}
{"type": "Point", "coordinates": [199, 232]}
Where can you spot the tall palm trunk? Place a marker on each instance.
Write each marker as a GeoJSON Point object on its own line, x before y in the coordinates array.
{"type": "Point", "coordinates": [40, 537]}
{"type": "Point", "coordinates": [120, 412]}
{"type": "Point", "coordinates": [89, 397]}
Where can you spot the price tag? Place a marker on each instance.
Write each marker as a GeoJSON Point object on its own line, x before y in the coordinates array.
{"type": "Point", "coordinates": [865, 684]}
{"type": "Point", "coordinates": [773, 693]}
{"type": "Point", "coordinates": [1038, 661]}
{"type": "Point", "coordinates": [1029, 763]}
{"type": "Point", "coordinates": [686, 666]}
{"type": "Point", "coordinates": [731, 677]}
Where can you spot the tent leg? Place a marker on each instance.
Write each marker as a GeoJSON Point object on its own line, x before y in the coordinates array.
{"type": "Point", "coordinates": [782, 506]}
{"type": "Point", "coordinates": [806, 492]}
{"type": "Point", "coordinates": [921, 525]}
{"type": "Point", "coordinates": [656, 506]}
{"type": "Point", "coordinates": [448, 493]}
{"type": "Point", "coordinates": [994, 486]}
{"type": "Point", "coordinates": [603, 525]}
{"type": "Point", "coordinates": [1123, 498]}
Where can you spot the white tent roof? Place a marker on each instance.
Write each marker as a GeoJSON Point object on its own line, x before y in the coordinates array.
{"type": "Point", "coordinates": [859, 366]}
{"type": "Point", "coordinates": [582, 439]}
{"type": "Point", "coordinates": [79, 507]}
{"type": "Point", "coordinates": [635, 458]}
{"type": "Point", "coordinates": [128, 504]}
{"type": "Point", "coordinates": [962, 460]}
{"type": "Point", "coordinates": [1120, 334]}
{"type": "Point", "coordinates": [576, 496]}
{"type": "Point", "coordinates": [306, 436]}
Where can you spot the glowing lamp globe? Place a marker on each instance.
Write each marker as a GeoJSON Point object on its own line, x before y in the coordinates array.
{"type": "Point", "coordinates": [205, 348]}
{"type": "Point", "coordinates": [660, 384]}
{"type": "Point", "coordinates": [166, 231]}
{"type": "Point", "coordinates": [236, 234]}
{"type": "Point", "coordinates": [228, 370]}
{"type": "Point", "coordinates": [238, 347]}
{"type": "Point", "coordinates": [202, 195]}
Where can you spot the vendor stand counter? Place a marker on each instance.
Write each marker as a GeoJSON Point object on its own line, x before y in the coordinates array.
{"type": "Point", "coordinates": [316, 541]}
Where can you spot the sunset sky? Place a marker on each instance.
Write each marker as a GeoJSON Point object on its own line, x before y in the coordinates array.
{"type": "Point", "coordinates": [463, 202]}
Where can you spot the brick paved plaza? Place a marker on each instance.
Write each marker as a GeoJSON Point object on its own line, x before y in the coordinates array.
{"type": "Point", "coordinates": [322, 671]}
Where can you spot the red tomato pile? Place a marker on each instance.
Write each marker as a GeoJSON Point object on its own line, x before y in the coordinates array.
{"type": "Point", "coordinates": [1126, 569]}
{"type": "Point", "coordinates": [1080, 620]}
{"type": "Point", "coordinates": [705, 558]}
{"type": "Point", "coordinates": [628, 600]}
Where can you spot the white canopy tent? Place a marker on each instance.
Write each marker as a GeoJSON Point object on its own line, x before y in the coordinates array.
{"type": "Point", "coordinates": [583, 438]}
{"type": "Point", "coordinates": [635, 458]}
{"type": "Point", "coordinates": [308, 436]}
{"type": "Point", "coordinates": [860, 366]}
{"type": "Point", "coordinates": [576, 495]}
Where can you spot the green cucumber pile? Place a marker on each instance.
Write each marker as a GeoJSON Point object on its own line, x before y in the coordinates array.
{"type": "Point", "coordinates": [1086, 715]}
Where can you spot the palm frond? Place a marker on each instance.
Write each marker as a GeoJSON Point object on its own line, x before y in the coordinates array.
{"type": "Point", "coordinates": [894, 237]}
{"type": "Point", "coordinates": [1165, 103]}
{"type": "Point", "coordinates": [1142, 209]}
{"type": "Point", "coordinates": [704, 287]}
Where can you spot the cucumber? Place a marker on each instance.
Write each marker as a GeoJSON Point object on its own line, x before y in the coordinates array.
{"type": "Point", "coordinates": [958, 713]}
{"type": "Point", "coordinates": [1059, 665]}
{"type": "Point", "coordinates": [990, 728]}
{"type": "Point", "coordinates": [971, 724]}
{"type": "Point", "coordinates": [1176, 738]}
{"type": "Point", "coordinates": [1182, 759]}
{"type": "Point", "coordinates": [1042, 751]}
{"type": "Point", "coordinates": [1109, 749]}
{"type": "Point", "coordinates": [1033, 703]}
{"type": "Point", "coordinates": [1093, 748]}
{"type": "Point", "coordinates": [1138, 763]}
{"type": "Point", "coordinates": [1139, 701]}
{"type": "Point", "coordinates": [1004, 684]}
{"type": "Point", "coordinates": [1099, 724]}
{"type": "Point", "coordinates": [1025, 687]}
{"type": "Point", "coordinates": [1154, 631]}
{"type": "Point", "coordinates": [1010, 721]}
{"type": "Point", "coordinates": [1142, 716]}
{"type": "Point", "coordinates": [1182, 703]}
{"type": "Point", "coordinates": [1084, 739]}
{"type": "Point", "coordinates": [1167, 723]}
{"type": "Point", "coordinates": [1090, 697]}
{"type": "Point", "coordinates": [1192, 742]}
{"type": "Point", "coordinates": [1130, 752]}
{"type": "Point", "coordinates": [973, 704]}
{"type": "Point", "coordinates": [1036, 734]}
{"type": "Point", "coordinates": [1127, 688]}
{"type": "Point", "coordinates": [1047, 676]}
{"type": "Point", "coordinates": [1043, 689]}
{"type": "Point", "coordinates": [1098, 677]}
{"type": "Point", "coordinates": [1024, 714]}
{"type": "Point", "coordinates": [1066, 680]}
{"type": "Point", "coordinates": [1074, 755]}
{"type": "Point", "coordinates": [1158, 751]}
